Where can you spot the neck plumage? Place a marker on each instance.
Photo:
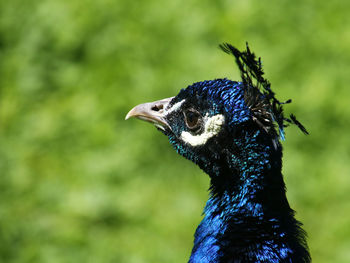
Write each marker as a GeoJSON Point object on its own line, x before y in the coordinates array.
{"type": "Point", "coordinates": [247, 217]}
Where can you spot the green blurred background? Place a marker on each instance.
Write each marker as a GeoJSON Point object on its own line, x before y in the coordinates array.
{"type": "Point", "coordinates": [79, 184]}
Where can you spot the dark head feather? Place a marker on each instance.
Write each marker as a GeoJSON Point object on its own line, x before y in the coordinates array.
{"type": "Point", "coordinates": [264, 105]}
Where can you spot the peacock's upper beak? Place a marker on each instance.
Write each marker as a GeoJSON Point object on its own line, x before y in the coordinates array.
{"type": "Point", "coordinates": [153, 112]}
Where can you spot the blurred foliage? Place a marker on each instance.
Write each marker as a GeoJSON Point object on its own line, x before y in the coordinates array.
{"type": "Point", "coordinates": [79, 184]}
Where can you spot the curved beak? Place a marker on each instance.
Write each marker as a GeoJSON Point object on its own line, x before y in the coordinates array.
{"type": "Point", "coordinates": [153, 112]}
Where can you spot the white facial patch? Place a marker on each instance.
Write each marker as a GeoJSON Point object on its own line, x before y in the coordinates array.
{"type": "Point", "coordinates": [211, 128]}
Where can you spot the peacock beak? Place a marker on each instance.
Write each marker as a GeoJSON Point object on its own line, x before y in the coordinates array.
{"type": "Point", "coordinates": [153, 112]}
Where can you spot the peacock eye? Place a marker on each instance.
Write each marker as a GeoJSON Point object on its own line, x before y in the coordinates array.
{"type": "Point", "coordinates": [192, 119]}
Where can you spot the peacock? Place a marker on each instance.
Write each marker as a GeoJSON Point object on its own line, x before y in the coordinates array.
{"type": "Point", "coordinates": [233, 132]}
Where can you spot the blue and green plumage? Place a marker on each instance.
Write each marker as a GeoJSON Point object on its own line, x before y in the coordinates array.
{"type": "Point", "coordinates": [228, 129]}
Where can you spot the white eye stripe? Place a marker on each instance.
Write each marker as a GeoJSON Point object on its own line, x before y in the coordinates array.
{"type": "Point", "coordinates": [211, 128]}
{"type": "Point", "coordinates": [175, 107]}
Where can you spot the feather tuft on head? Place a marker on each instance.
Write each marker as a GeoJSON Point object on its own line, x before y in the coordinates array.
{"type": "Point", "coordinates": [264, 105]}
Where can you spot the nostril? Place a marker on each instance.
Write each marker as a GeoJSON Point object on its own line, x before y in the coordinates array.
{"type": "Point", "coordinates": [157, 107]}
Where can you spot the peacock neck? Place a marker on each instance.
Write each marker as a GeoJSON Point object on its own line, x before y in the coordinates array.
{"type": "Point", "coordinates": [249, 181]}
{"type": "Point", "coordinates": [247, 217]}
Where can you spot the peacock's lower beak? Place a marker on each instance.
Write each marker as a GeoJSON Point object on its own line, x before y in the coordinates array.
{"type": "Point", "coordinates": [153, 112]}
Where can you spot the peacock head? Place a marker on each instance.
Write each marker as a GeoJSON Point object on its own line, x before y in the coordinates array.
{"type": "Point", "coordinates": [213, 123]}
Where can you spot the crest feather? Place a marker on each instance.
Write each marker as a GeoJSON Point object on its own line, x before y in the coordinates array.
{"type": "Point", "coordinates": [265, 107]}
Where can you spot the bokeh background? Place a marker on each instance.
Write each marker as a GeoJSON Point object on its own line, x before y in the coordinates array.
{"type": "Point", "coordinates": [80, 184]}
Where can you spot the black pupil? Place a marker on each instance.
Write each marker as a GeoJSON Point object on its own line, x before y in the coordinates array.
{"type": "Point", "coordinates": [192, 118]}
